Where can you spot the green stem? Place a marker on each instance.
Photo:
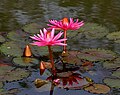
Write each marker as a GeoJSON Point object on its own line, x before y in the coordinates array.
{"type": "Point", "coordinates": [52, 61]}
{"type": "Point", "coordinates": [65, 36]}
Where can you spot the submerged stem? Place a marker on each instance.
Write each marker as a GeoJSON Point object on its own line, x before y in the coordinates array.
{"type": "Point", "coordinates": [52, 61]}
{"type": "Point", "coordinates": [65, 36]}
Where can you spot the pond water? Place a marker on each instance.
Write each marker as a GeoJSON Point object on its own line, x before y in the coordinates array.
{"type": "Point", "coordinates": [16, 13]}
{"type": "Point", "coordinates": [94, 51]}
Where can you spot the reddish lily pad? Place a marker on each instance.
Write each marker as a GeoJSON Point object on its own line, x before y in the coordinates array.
{"type": "Point", "coordinates": [8, 73]}
{"type": "Point", "coordinates": [97, 89]}
{"type": "Point", "coordinates": [96, 54]}
{"type": "Point", "coordinates": [72, 58]}
{"type": "Point", "coordinates": [11, 48]}
{"type": "Point", "coordinates": [25, 61]}
{"type": "Point", "coordinates": [112, 82]}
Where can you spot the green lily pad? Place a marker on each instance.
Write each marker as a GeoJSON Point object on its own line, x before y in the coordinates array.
{"type": "Point", "coordinates": [116, 73]}
{"type": "Point", "coordinates": [18, 36]}
{"type": "Point", "coordinates": [114, 35]}
{"type": "Point", "coordinates": [1, 84]}
{"type": "Point", "coordinates": [11, 48]}
{"type": "Point", "coordinates": [2, 39]}
{"type": "Point", "coordinates": [96, 54]}
{"type": "Point", "coordinates": [8, 73]}
{"type": "Point", "coordinates": [93, 31]}
{"type": "Point", "coordinates": [25, 61]}
{"type": "Point", "coordinates": [32, 28]}
{"type": "Point", "coordinates": [112, 82]}
{"type": "Point", "coordinates": [112, 64]}
{"type": "Point", "coordinates": [39, 51]}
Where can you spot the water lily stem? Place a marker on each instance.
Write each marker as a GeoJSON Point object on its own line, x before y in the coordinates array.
{"type": "Point", "coordinates": [65, 36]}
{"type": "Point", "coordinates": [52, 61]}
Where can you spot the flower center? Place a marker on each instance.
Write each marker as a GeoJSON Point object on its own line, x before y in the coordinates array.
{"type": "Point", "coordinates": [65, 21]}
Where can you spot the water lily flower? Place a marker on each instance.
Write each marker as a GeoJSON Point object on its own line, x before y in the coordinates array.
{"type": "Point", "coordinates": [65, 25]}
{"type": "Point", "coordinates": [47, 38]}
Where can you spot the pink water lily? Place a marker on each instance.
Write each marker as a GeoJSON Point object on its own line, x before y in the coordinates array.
{"type": "Point", "coordinates": [47, 38]}
{"type": "Point", "coordinates": [65, 24]}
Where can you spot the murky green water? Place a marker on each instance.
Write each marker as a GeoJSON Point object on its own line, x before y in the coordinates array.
{"type": "Point", "coordinates": [16, 13]}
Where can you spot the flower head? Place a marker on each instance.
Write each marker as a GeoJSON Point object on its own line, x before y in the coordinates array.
{"type": "Point", "coordinates": [47, 38]}
{"type": "Point", "coordinates": [65, 24]}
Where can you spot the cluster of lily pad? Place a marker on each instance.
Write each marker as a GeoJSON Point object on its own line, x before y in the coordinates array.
{"type": "Point", "coordinates": [14, 43]}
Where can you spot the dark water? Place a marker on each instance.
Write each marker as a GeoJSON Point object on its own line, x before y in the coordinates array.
{"type": "Point", "coordinates": [16, 13]}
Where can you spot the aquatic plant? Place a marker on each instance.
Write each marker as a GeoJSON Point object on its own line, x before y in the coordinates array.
{"type": "Point", "coordinates": [65, 25]}
{"type": "Point", "coordinates": [47, 38]}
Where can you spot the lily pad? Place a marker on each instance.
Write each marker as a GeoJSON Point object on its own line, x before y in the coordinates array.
{"type": "Point", "coordinates": [112, 82]}
{"type": "Point", "coordinates": [97, 89]}
{"type": "Point", "coordinates": [8, 73]}
{"type": "Point", "coordinates": [93, 31]}
{"type": "Point", "coordinates": [72, 58]}
{"type": "Point", "coordinates": [112, 64]}
{"type": "Point", "coordinates": [96, 54]}
{"type": "Point", "coordinates": [39, 51]}
{"type": "Point", "coordinates": [2, 39]}
{"type": "Point", "coordinates": [25, 61]}
{"type": "Point", "coordinates": [116, 73]}
{"type": "Point", "coordinates": [114, 36]}
{"type": "Point", "coordinates": [11, 48]}
{"type": "Point", "coordinates": [32, 28]}
{"type": "Point", "coordinates": [1, 84]}
{"type": "Point", "coordinates": [18, 36]}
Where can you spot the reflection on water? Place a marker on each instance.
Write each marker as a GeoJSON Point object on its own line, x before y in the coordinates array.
{"type": "Point", "coordinates": [15, 13]}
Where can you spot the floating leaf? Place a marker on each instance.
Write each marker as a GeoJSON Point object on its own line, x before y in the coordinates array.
{"type": "Point", "coordinates": [8, 73]}
{"type": "Point", "coordinates": [1, 84]}
{"type": "Point", "coordinates": [116, 73]}
{"type": "Point", "coordinates": [96, 54]}
{"type": "Point", "coordinates": [11, 48]}
{"type": "Point", "coordinates": [39, 83]}
{"type": "Point", "coordinates": [93, 31]}
{"type": "Point", "coordinates": [2, 39]}
{"type": "Point", "coordinates": [114, 36]}
{"type": "Point", "coordinates": [39, 51]}
{"type": "Point", "coordinates": [18, 36]}
{"type": "Point", "coordinates": [97, 89]}
{"type": "Point", "coordinates": [72, 58]}
{"type": "Point", "coordinates": [112, 82]}
{"type": "Point", "coordinates": [25, 61]}
{"type": "Point", "coordinates": [112, 64]}
{"type": "Point", "coordinates": [32, 28]}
